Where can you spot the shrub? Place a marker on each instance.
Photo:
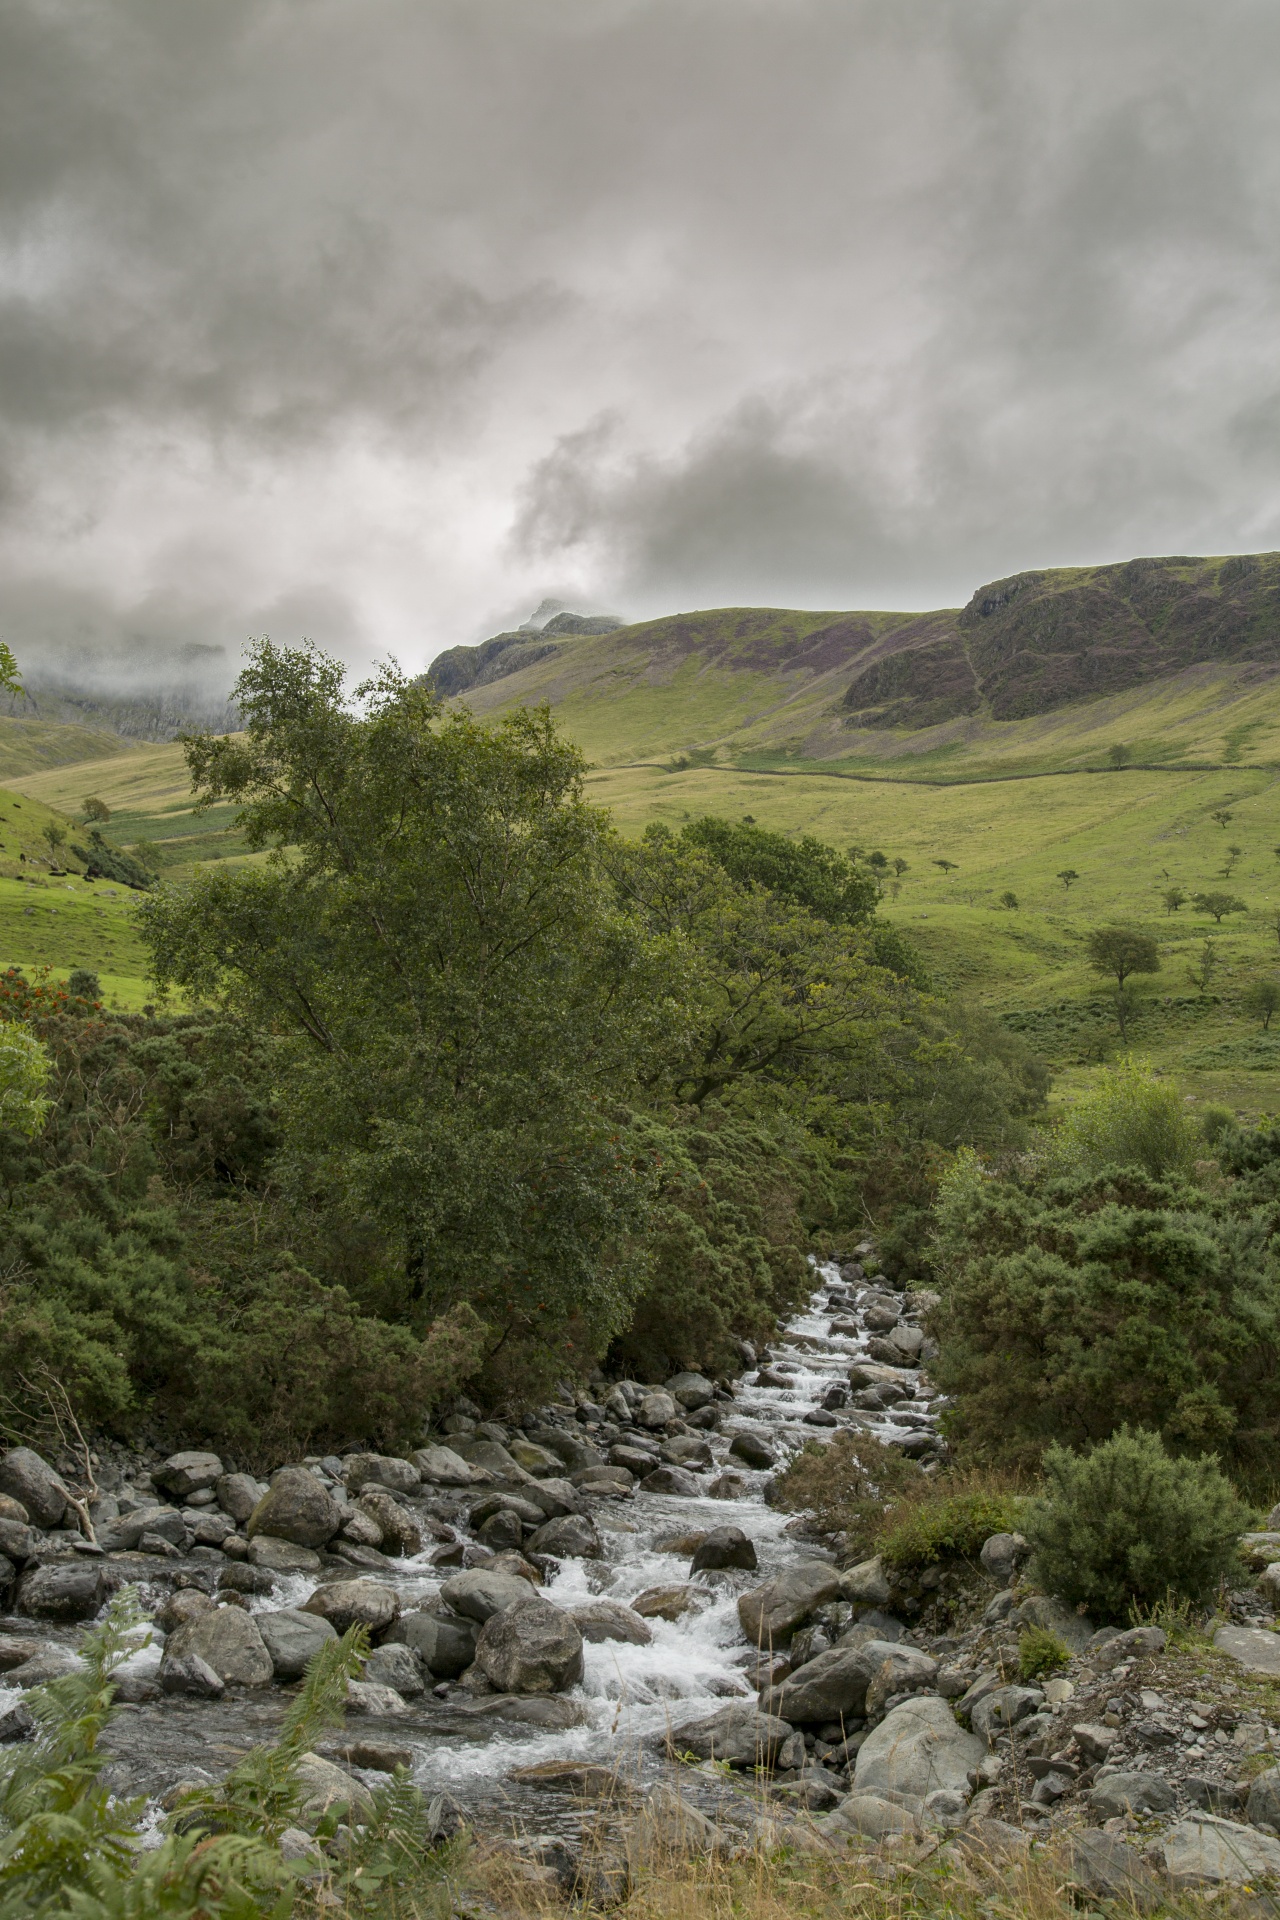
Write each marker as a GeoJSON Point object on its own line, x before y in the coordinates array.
{"type": "Point", "coordinates": [1129, 1119]}
{"type": "Point", "coordinates": [1215, 1121]}
{"type": "Point", "coordinates": [848, 1487]}
{"type": "Point", "coordinates": [83, 984]}
{"type": "Point", "coordinates": [944, 1525]}
{"type": "Point", "coordinates": [1041, 1652]}
{"type": "Point", "coordinates": [1125, 1524]}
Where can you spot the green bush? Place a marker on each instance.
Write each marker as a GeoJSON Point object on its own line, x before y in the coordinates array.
{"type": "Point", "coordinates": [1125, 1524]}
{"type": "Point", "coordinates": [1041, 1652]}
{"type": "Point", "coordinates": [1129, 1119]}
{"type": "Point", "coordinates": [1215, 1121]}
{"type": "Point", "coordinates": [952, 1527]}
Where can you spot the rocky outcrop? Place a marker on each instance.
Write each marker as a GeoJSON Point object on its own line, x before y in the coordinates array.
{"type": "Point", "coordinates": [530, 1647]}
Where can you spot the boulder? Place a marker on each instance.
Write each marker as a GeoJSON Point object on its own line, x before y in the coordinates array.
{"type": "Point", "coordinates": [738, 1733]}
{"type": "Point", "coordinates": [479, 1594]}
{"type": "Point", "coordinates": [31, 1481]}
{"type": "Point", "coordinates": [600, 1620]}
{"type": "Point", "coordinates": [607, 1480]}
{"type": "Point", "coordinates": [211, 1528]}
{"type": "Point", "coordinates": [443, 1467]}
{"type": "Point", "coordinates": [366, 1696]}
{"type": "Point", "coordinates": [325, 1787]}
{"type": "Point", "coordinates": [1258, 1549]}
{"type": "Point", "coordinates": [1043, 1611]}
{"type": "Point", "coordinates": [237, 1494]}
{"type": "Point", "coordinates": [539, 1461]}
{"type": "Point", "coordinates": [183, 1671]}
{"type": "Point", "coordinates": [917, 1749]}
{"type": "Point", "coordinates": [871, 1818]}
{"type": "Point", "coordinates": [11, 1509]}
{"type": "Point", "coordinates": [686, 1450]}
{"type": "Point", "coordinates": [1120, 1793]}
{"type": "Point", "coordinates": [525, 1511]}
{"type": "Point", "coordinates": [631, 1459]}
{"type": "Point", "coordinates": [752, 1451]}
{"type": "Point", "coordinates": [298, 1508]}
{"type": "Point", "coordinates": [1262, 1809]}
{"type": "Point", "coordinates": [1210, 1852]}
{"type": "Point", "coordinates": [867, 1584]}
{"type": "Point", "coordinates": [292, 1638]}
{"type": "Point", "coordinates": [667, 1827]}
{"type": "Point", "coordinates": [501, 1532]}
{"type": "Point", "coordinates": [49, 1663]}
{"type": "Point", "coordinates": [183, 1605]}
{"type": "Point", "coordinates": [1126, 1646]}
{"type": "Point", "coordinates": [350, 1603]}
{"type": "Point", "coordinates": [721, 1548]}
{"type": "Point", "coordinates": [17, 1541]}
{"type": "Point", "coordinates": [1094, 1740]}
{"type": "Point", "coordinates": [833, 1685]}
{"type": "Point", "coordinates": [237, 1576]}
{"type": "Point", "coordinates": [228, 1641]}
{"type": "Point", "coordinates": [727, 1486]}
{"type": "Point", "coordinates": [282, 1556]}
{"type": "Point", "coordinates": [531, 1647]}
{"type": "Point", "coordinates": [445, 1647]}
{"type": "Point", "coordinates": [691, 1390]}
{"type": "Point", "coordinates": [16, 1723]}
{"type": "Point", "coordinates": [655, 1410]}
{"type": "Point", "coordinates": [571, 1449]}
{"type": "Point", "coordinates": [1256, 1649]}
{"type": "Point", "coordinates": [14, 1652]}
{"type": "Point", "coordinates": [493, 1458]}
{"type": "Point", "coordinates": [572, 1537]}
{"type": "Point", "coordinates": [671, 1480]}
{"type": "Point", "coordinates": [668, 1603]}
{"type": "Point", "coordinates": [554, 1497]}
{"type": "Point", "coordinates": [770, 1614]}
{"type": "Point", "coordinates": [1002, 1708]}
{"type": "Point", "coordinates": [902, 1670]}
{"type": "Point", "coordinates": [65, 1590]}
{"type": "Point", "coordinates": [394, 1665]}
{"type": "Point", "coordinates": [1001, 1556]}
{"type": "Point", "coordinates": [163, 1523]}
{"type": "Point", "coordinates": [186, 1473]}
{"type": "Point", "coordinates": [380, 1470]}
{"type": "Point", "coordinates": [1104, 1866]}
{"type": "Point", "coordinates": [361, 1529]}
{"type": "Point", "coordinates": [400, 1533]}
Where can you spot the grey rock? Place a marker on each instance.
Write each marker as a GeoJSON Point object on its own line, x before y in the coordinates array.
{"type": "Point", "coordinates": [1119, 1793]}
{"type": "Point", "coordinates": [1209, 1852]}
{"type": "Point", "coordinates": [381, 1470]}
{"type": "Point", "coordinates": [281, 1556]}
{"type": "Point", "coordinates": [493, 1458]}
{"type": "Point", "coordinates": [738, 1733]}
{"type": "Point", "coordinates": [17, 1541]}
{"type": "Point", "coordinates": [48, 1664]}
{"type": "Point", "coordinates": [918, 1748]}
{"type": "Point", "coordinates": [401, 1535]}
{"type": "Point", "coordinates": [296, 1507]}
{"type": "Point", "coordinates": [752, 1451]}
{"type": "Point", "coordinates": [870, 1817]}
{"type": "Point", "coordinates": [479, 1594]}
{"type": "Point", "coordinates": [655, 1410]}
{"type": "Point", "coordinates": [65, 1590]}
{"type": "Point", "coordinates": [211, 1528]}
{"type": "Point", "coordinates": [832, 1686]}
{"type": "Point", "coordinates": [227, 1641]}
{"type": "Point", "coordinates": [554, 1497]}
{"type": "Point", "coordinates": [16, 1723]}
{"type": "Point", "coordinates": [901, 1670]}
{"type": "Point", "coordinates": [237, 1576]}
{"type": "Point", "coordinates": [445, 1647]}
{"type": "Point", "coordinates": [944, 1807]}
{"type": "Point", "coordinates": [366, 1696]}
{"type": "Point", "coordinates": [539, 1461]}
{"type": "Point", "coordinates": [1093, 1739]}
{"type": "Point", "coordinates": [770, 1614]}
{"type": "Point", "coordinates": [727, 1486]}
{"type": "Point", "coordinates": [360, 1529]}
{"type": "Point", "coordinates": [1043, 1611]}
{"type": "Point", "coordinates": [691, 1390]}
{"type": "Point", "coordinates": [572, 1537]}
{"type": "Point", "coordinates": [605, 1480]}
{"type": "Point", "coordinates": [25, 1477]}
{"type": "Point", "coordinates": [1002, 1708]}
{"type": "Point", "coordinates": [686, 1450]}
{"type": "Point", "coordinates": [350, 1603]}
{"type": "Point", "coordinates": [237, 1494]}
{"type": "Point", "coordinates": [531, 1647]}
{"type": "Point", "coordinates": [576, 1453]}
{"type": "Point", "coordinates": [1262, 1809]}
{"type": "Point", "coordinates": [1256, 1649]}
{"type": "Point", "coordinates": [187, 1473]}
{"type": "Point", "coordinates": [671, 1480]}
{"type": "Point", "coordinates": [163, 1523]}
{"type": "Point", "coordinates": [1126, 1646]}
{"type": "Point", "coordinates": [867, 1584]}
{"type": "Point", "coordinates": [292, 1638]}
{"type": "Point", "coordinates": [186, 1672]}
{"type": "Point", "coordinates": [600, 1620]}
{"type": "Point", "coordinates": [394, 1665]}
{"type": "Point", "coordinates": [1001, 1556]}
{"type": "Point", "coordinates": [524, 1510]}
{"type": "Point", "coordinates": [722, 1548]}
{"type": "Point", "coordinates": [443, 1467]}
{"type": "Point", "coordinates": [325, 1787]}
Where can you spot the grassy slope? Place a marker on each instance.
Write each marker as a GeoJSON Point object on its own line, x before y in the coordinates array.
{"type": "Point", "coordinates": [34, 745]}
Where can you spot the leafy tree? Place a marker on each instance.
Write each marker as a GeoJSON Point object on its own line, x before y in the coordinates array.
{"type": "Point", "coordinates": [806, 871]}
{"type": "Point", "coordinates": [1173, 898]}
{"type": "Point", "coordinates": [1233, 858]}
{"type": "Point", "coordinates": [1119, 755]}
{"type": "Point", "coordinates": [879, 861]}
{"type": "Point", "coordinates": [948, 866]}
{"type": "Point", "coordinates": [1218, 904]}
{"type": "Point", "coordinates": [24, 1079]}
{"type": "Point", "coordinates": [1067, 876]}
{"type": "Point", "coordinates": [899, 865]}
{"type": "Point", "coordinates": [55, 835]}
{"type": "Point", "coordinates": [1128, 1118]}
{"type": "Point", "coordinates": [1122, 952]}
{"type": "Point", "coordinates": [102, 861]}
{"type": "Point", "coordinates": [1223, 816]}
{"type": "Point", "coordinates": [1009, 900]}
{"type": "Point", "coordinates": [95, 809]}
{"type": "Point", "coordinates": [1260, 1000]}
{"type": "Point", "coordinates": [1201, 974]}
{"type": "Point", "coordinates": [83, 984]}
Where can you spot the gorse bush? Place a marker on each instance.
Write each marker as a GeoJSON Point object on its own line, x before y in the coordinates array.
{"type": "Point", "coordinates": [944, 1525]}
{"type": "Point", "coordinates": [1128, 1119]}
{"type": "Point", "coordinates": [1041, 1653]}
{"type": "Point", "coordinates": [1125, 1524]}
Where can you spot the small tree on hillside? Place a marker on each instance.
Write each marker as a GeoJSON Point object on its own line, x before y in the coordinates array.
{"type": "Point", "coordinates": [1201, 974]}
{"type": "Point", "coordinates": [95, 809]}
{"type": "Point", "coordinates": [1218, 904]}
{"type": "Point", "coordinates": [1120, 755]}
{"type": "Point", "coordinates": [899, 865]}
{"type": "Point", "coordinates": [1173, 898]}
{"type": "Point", "coordinates": [1260, 999]}
{"type": "Point", "coordinates": [1275, 921]}
{"type": "Point", "coordinates": [1121, 952]}
{"type": "Point", "coordinates": [1233, 857]}
{"type": "Point", "coordinates": [948, 866]}
{"type": "Point", "coordinates": [55, 836]}
{"type": "Point", "coordinates": [1009, 900]}
{"type": "Point", "coordinates": [1223, 816]}
{"type": "Point", "coordinates": [1067, 876]}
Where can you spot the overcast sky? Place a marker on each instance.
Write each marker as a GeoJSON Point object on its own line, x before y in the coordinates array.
{"type": "Point", "coordinates": [377, 320]}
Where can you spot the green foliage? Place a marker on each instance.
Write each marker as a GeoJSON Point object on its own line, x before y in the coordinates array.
{"type": "Point", "coordinates": [1215, 1121]}
{"type": "Point", "coordinates": [1009, 900]}
{"type": "Point", "coordinates": [1129, 1118]}
{"type": "Point", "coordinates": [1173, 898]}
{"type": "Point", "coordinates": [1124, 1524]}
{"type": "Point", "coordinates": [83, 984]}
{"type": "Point", "coordinates": [101, 861]}
{"type": "Point", "coordinates": [947, 1526]}
{"type": "Point", "coordinates": [1218, 904]}
{"type": "Point", "coordinates": [1122, 951]}
{"type": "Point", "coordinates": [95, 809]}
{"type": "Point", "coordinates": [24, 1076]}
{"type": "Point", "coordinates": [803, 871]}
{"type": "Point", "coordinates": [1261, 999]}
{"type": "Point", "coordinates": [848, 1487]}
{"type": "Point", "coordinates": [1041, 1653]}
{"type": "Point", "coordinates": [1093, 1302]}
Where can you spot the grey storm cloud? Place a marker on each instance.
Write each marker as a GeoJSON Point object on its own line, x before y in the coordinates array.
{"type": "Point", "coordinates": [375, 321]}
